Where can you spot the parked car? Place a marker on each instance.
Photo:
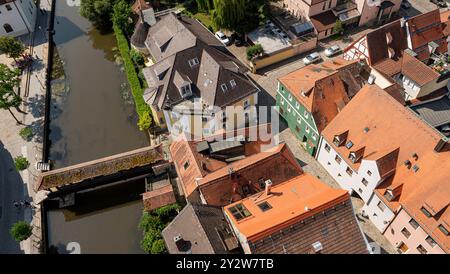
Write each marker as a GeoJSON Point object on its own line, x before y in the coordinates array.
{"type": "Point", "coordinates": [333, 50]}
{"type": "Point", "coordinates": [311, 58]}
{"type": "Point", "coordinates": [439, 3]}
{"type": "Point", "coordinates": [238, 39]}
{"type": "Point", "coordinates": [223, 38]}
{"type": "Point", "coordinates": [405, 5]}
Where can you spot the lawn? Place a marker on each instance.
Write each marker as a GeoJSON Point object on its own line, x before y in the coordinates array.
{"type": "Point", "coordinates": [205, 19]}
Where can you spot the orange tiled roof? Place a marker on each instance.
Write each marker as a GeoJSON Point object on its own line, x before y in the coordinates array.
{"type": "Point", "coordinates": [394, 135]}
{"type": "Point", "coordinates": [158, 198]}
{"type": "Point", "coordinates": [323, 87]}
{"type": "Point", "coordinates": [291, 201]}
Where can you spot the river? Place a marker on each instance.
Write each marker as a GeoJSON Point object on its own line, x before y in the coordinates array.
{"type": "Point", "coordinates": [89, 120]}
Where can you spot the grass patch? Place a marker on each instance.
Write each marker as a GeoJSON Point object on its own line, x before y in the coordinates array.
{"type": "Point", "coordinates": [137, 90]}
{"type": "Point", "coordinates": [206, 20]}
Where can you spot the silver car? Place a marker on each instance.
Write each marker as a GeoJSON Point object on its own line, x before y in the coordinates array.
{"type": "Point", "coordinates": [332, 51]}
{"type": "Point", "coordinates": [311, 58]}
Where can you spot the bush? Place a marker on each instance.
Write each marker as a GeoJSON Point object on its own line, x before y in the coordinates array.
{"type": "Point", "coordinates": [132, 76]}
{"type": "Point", "coordinates": [21, 231]}
{"type": "Point", "coordinates": [137, 58]}
{"type": "Point", "coordinates": [254, 50]}
{"type": "Point", "coordinates": [26, 133]}
{"type": "Point", "coordinates": [166, 211]}
{"type": "Point", "coordinates": [150, 222]}
{"type": "Point", "coordinates": [146, 121]}
{"type": "Point", "coordinates": [21, 163]}
{"type": "Point", "coordinates": [158, 247]}
{"type": "Point", "coordinates": [150, 237]}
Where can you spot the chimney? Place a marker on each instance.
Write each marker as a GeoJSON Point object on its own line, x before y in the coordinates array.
{"type": "Point", "coordinates": [268, 187]}
{"type": "Point", "coordinates": [179, 242]}
{"type": "Point", "coordinates": [441, 144]}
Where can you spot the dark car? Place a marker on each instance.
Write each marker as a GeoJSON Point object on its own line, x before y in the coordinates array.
{"type": "Point", "coordinates": [439, 3]}
{"type": "Point", "coordinates": [238, 39]}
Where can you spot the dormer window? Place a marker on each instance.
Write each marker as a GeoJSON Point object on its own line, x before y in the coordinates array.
{"type": "Point", "coordinates": [232, 83]}
{"type": "Point", "coordinates": [186, 91]}
{"type": "Point", "coordinates": [443, 230]}
{"type": "Point", "coordinates": [224, 87]}
{"type": "Point", "coordinates": [352, 157]}
{"type": "Point", "coordinates": [389, 195]}
{"type": "Point", "coordinates": [193, 62]}
{"type": "Point", "coordinates": [336, 141]}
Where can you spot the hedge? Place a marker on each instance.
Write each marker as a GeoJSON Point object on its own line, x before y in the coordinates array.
{"type": "Point", "coordinates": [132, 76]}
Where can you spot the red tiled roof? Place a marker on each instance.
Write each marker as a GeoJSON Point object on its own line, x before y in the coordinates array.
{"type": "Point", "coordinates": [158, 198]}
{"type": "Point", "coordinates": [324, 21]}
{"type": "Point", "coordinates": [417, 71]}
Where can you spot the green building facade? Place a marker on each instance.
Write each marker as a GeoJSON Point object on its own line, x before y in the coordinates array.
{"type": "Point", "coordinates": [299, 119]}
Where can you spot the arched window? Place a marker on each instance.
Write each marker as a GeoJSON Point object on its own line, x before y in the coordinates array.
{"type": "Point", "coordinates": [8, 28]}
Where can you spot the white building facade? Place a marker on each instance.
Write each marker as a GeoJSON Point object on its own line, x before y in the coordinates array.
{"type": "Point", "coordinates": [362, 181]}
{"type": "Point", "coordinates": [17, 17]}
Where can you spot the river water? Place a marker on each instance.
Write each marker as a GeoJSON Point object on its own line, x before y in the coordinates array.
{"type": "Point", "coordinates": [89, 120]}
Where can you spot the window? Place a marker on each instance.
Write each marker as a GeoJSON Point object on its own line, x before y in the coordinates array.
{"type": "Point", "coordinates": [8, 28]}
{"type": "Point", "coordinates": [406, 233]}
{"type": "Point", "coordinates": [349, 145]}
{"type": "Point", "coordinates": [224, 87]}
{"type": "Point", "coordinates": [232, 83]}
{"type": "Point", "coordinates": [349, 171]}
{"type": "Point", "coordinates": [360, 190]}
{"type": "Point", "coordinates": [239, 212]}
{"type": "Point", "coordinates": [246, 104]}
{"type": "Point", "coordinates": [413, 223]}
{"type": "Point", "coordinates": [186, 165]}
{"type": "Point", "coordinates": [262, 183]}
{"type": "Point", "coordinates": [443, 230]}
{"type": "Point", "coordinates": [430, 241]}
{"type": "Point", "coordinates": [297, 129]}
{"type": "Point", "coordinates": [403, 248]}
{"type": "Point", "coordinates": [426, 212]}
{"type": "Point", "coordinates": [185, 90]}
{"type": "Point", "coordinates": [299, 120]}
{"type": "Point", "coordinates": [381, 206]}
{"type": "Point", "coordinates": [8, 7]}
{"type": "Point", "coordinates": [324, 5]}
{"type": "Point", "coordinates": [369, 173]}
{"type": "Point", "coordinates": [289, 108]}
{"type": "Point", "coordinates": [327, 148]}
{"type": "Point", "coordinates": [338, 159]}
{"type": "Point", "coordinates": [314, 137]}
{"type": "Point", "coordinates": [193, 62]}
{"type": "Point", "coordinates": [264, 206]}
{"type": "Point", "coordinates": [297, 105]}
{"type": "Point", "coordinates": [388, 195]}
{"type": "Point", "coordinates": [305, 113]}
{"type": "Point", "coordinates": [307, 129]}
{"type": "Point", "coordinates": [422, 250]}
{"type": "Point", "coordinates": [290, 97]}
{"type": "Point", "coordinates": [364, 181]}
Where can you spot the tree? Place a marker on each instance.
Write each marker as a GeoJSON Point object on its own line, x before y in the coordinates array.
{"type": "Point", "coordinates": [204, 5]}
{"type": "Point", "coordinates": [338, 27]}
{"type": "Point", "coordinates": [229, 14]}
{"type": "Point", "coordinates": [158, 247]}
{"type": "Point", "coordinates": [21, 163]}
{"type": "Point", "coordinates": [98, 12]}
{"type": "Point", "coordinates": [21, 231]}
{"type": "Point", "coordinates": [254, 50]}
{"type": "Point", "coordinates": [11, 46]}
{"type": "Point", "coordinates": [26, 133]}
{"type": "Point", "coordinates": [149, 238]}
{"type": "Point", "coordinates": [121, 16]}
{"type": "Point", "coordinates": [9, 79]}
{"type": "Point", "coordinates": [145, 121]}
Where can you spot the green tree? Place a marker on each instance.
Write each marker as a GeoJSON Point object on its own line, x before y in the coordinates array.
{"type": "Point", "coordinates": [137, 58]}
{"type": "Point", "coordinates": [338, 27]}
{"type": "Point", "coordinates": [21, 163]}
{"type": "Point", "coordinates": [205, 5]}
{"type": "Point", "coordinates": [149, 238]}
{"type": "Point", "coordinates": [150, 222]}
{"type": "Point", "coordinates": [145, 121]}
{"type": "Point", "coordinates": [254, 50]}
{"type": "Point", "coordinates": [9, 79]}
{"type": "Point", "coordinates": [11, 46]}
{"type": "Point", "coordinates": [26, 133]}
{"type": "Point", "coordinates": [121, 16]}
{"type": "Point", "coordinates": [21, 231]}
{"type": "Point", "coordinates": [98, 12]}
{"type": "Point", "coordinates": [158, 247]}
{"type": "Point", "coordinates": [228, 14]}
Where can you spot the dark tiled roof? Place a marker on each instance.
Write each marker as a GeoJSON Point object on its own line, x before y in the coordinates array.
{"type": "Point", "coordinates": [436, 111]}
{"type": "Point", "coordinates": [183, 40]}
{"type": "Point", "coordinates": [335, 228]}
{"type": "Point", "coordinates": [417, 71]}
{"type": "Point", "coordinates": [204, 230]}
{"type": "Point", "coordinates": [140, 34]}
{"type": "Point", "coordinates": [324, 21]}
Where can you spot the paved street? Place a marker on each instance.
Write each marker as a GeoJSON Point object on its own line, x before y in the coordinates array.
{"type": "Point", "coordinates": [15, 185]}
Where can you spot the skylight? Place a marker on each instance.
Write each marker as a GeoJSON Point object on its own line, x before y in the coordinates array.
{"type": "Point", "coordinates": [264, 206]}
{"type": "Point", "coordinates": [224, 87]}
{"type": "Point", "coordinates": [349, 145]}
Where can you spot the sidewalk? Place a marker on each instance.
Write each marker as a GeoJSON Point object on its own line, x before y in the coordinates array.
{"type": "Point", "coordinates": [32, 92]}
